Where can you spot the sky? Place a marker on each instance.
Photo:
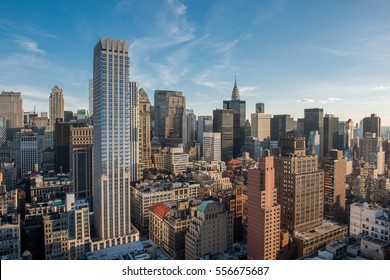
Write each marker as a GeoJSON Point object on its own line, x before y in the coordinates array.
{"type": "Point", "coordinates": [288, 54]}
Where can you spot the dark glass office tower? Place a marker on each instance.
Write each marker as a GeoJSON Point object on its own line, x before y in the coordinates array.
{"type": "Point", "coordinates": [238, 106]}
{"type": "Point", "coordinates": [223, 123]}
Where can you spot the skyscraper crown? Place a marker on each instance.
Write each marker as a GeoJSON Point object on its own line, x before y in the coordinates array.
{"type": "Point", "coordinates": [235, 92]}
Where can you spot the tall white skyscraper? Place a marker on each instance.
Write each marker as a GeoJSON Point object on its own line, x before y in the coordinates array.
{"type": "Point", "coordinates": [112, 142]}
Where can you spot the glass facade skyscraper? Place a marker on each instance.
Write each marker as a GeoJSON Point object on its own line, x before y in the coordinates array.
{"type": "Point", "coordinates": [112, 141]}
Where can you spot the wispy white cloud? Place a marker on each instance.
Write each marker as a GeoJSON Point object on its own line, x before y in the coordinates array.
{"type": "Point", "coordinates": [380, 88]}
{"type": "Point", "coordinates": [305, 100]}
{"type": "Point", "coordinates": [248, 91]}
{"type": "Point", "coordinates": [177, 7]}
{"type": "Point", "coordinates": [29, 45]}
{"type": "Point", "coordinates": [381, 100]}
{"type": "Point", "coordinates": [330, 100]}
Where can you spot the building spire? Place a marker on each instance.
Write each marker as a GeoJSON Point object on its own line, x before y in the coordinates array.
{"type": "Point", "coordinates": [235, 92]}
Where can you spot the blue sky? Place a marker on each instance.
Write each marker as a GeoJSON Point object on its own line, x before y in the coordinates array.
{"type": "Point", "coordinates": [288, 54]}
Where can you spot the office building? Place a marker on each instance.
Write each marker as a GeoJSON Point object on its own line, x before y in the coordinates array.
{"type": "Point", "coordinates": [210, 232]}
{"type": "Point", "coordinates": [372, 124]}
{"type": "Point", "coordinates": [314, 142]}
{"type": "Point", "coordinates": [261, 126]}
{"type": "Point", "coordinates": [204, 124]}
{"type": "Point", "coordinates": [223, 122]}
{"type": "Point", "coordinates": [239, 109]}
{"type": "Point", "coordinates": [169, 107]}
{"type": "Point", "coordinates": [281, 126]}
{"type": "Point", "coordinates": [314, 121]}
{"type": "Point", "coordinates": [62, 145]}
{"type": "Point", "coordinates": [56, 103]}
{"type": "Point", "coordinates": [259, 108]}
{"type": "Point", "coordinates": [68, 116]}
{"type": "Point", "coordinates": [145, 148]}
{"type": "Point", "coordinates": [11, 108]}
{"type": "Point", "coordinates": [263, 212]}
{"type": "Point", "coordinates": [81, 162]}
{"type": "Point", "coordinates": [212, 146]}
{"type": "Point", "coordinates": [178, 161]}
{"type": "Point", "coordinates": [371, 151]}
{"type": "Point", "coordinates": [189, 128]}
{"type": "Point", "coordinates": [10, 245]}
{"type": "Point", "coordinates": [300, 186]}
{"type": "Point", "coordinates": [112, 143]}
{"type": "Point", "coordinates": [27, 151]}
{"type": "Point", "coordinates": [334, 166]}
{"type": "Point", "coordinates": [331, 133]}
{"type": "Point", "coordinates": [82, 115]}
{"type": "Point", "coordinates": [369, 220]}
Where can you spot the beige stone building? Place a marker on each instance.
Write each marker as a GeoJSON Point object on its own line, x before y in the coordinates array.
{"type": "Point", "coordinates": [210, 232]}
{"type": "Point", "coordinates": [56, 103]}
{"type": "Point", "coordinates": [11, 108]}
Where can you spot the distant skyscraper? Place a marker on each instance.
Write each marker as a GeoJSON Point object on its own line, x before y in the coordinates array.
{"type": "Point", "coordinates": [3, 131]}
{"type": "Point", "coordinates": [82, 115]}
{"type": "Point", "coordinates": [372, 124]}
{"type": "Point", "coordinates": [112, 142]}
{"type": "Point", "coordinates": [314, 120]}
{"type": "Point", "coordinates": [212, 146]}
{"type": "Point", "coordinates": [56, 102]}
{"type": "Point", "coordinates": [27, 145]}
{"type": "Point", "coordinates": [349, 135]}
{"type": "Point", "coordinates": [261, 126]}
{"type": "Point", "coordinates": [189, 128]}
{"type": "Point", "coordinates": [281, 125]}
{"type": "Point", "coordinates": [144, 130]}
{"type": "Point", "coordinates": [169, 107]}
{"type": "Point", "coordinates": [11, 108]}
{"type": "Point", "coordinates": [334, 167]}
{"type": "Point", "coordinates": [314, 142]}
{"type": "Point", "coordinates": [260, 108]}
{"type": "Point", "coordinates": [223, 123]}
{"type": "Point", "coordinates": [371, 151]}
{"type": "Point", "coordinates": [90, 97]}
{"type": "Point", "coordinates": [205, 124]}
{"type": "Point", "coordinates": [68, 116]}
{"type": "Point", "coordinates": [263, 212]}
{"type": "Point", "coordinates": [331, 133]}
{"type": "Point", "coordinates": [238, 106]}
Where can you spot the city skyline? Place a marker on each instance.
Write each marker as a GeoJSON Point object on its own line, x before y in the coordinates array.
{"type": "Point", "coordinates": [288, 55]}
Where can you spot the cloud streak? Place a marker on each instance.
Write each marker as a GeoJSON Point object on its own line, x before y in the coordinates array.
{"type": "Point", "coordinates": [305, 100]}
{"type": "Point", "coordinates": [29, 45]}
{"type": "Point", "coordinates": [330, 100]}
